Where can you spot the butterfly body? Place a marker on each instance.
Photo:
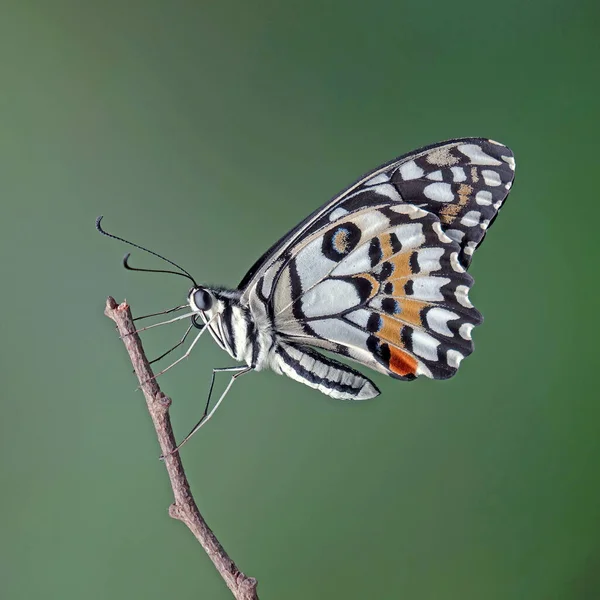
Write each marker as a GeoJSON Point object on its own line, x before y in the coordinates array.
{"type": "Point", "coordinates": [377, 275]}
{"type": "Point", "coordinates": [249, 337]}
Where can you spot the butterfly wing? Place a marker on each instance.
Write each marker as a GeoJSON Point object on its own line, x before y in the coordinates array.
{"type": "Point", "coordinates": [378, 273]}
{"type": "Point", "coordinates": [464, 182]}
{"type": "Point", "coordinates": [383, 286]}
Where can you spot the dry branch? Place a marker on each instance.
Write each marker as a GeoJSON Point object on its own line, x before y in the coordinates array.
{"type": "Point", "coordinates": [184, 508]}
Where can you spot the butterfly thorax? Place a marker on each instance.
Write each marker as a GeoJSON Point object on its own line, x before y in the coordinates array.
{"type": "Point", "coordinates": [245, 336]}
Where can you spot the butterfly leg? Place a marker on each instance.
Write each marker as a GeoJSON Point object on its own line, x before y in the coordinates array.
{"type": "Point", "coordinates": [207, 415]}
{"type": "Point", "coordinates": [179, 343]}
{"type": "Point", "coordinates": [187, 353]}
{"type": "Point", "coordinates": [162, 312]}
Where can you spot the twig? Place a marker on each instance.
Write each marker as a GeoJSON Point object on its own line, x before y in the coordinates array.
{"type": "Point", "coordinates": [184, 508]}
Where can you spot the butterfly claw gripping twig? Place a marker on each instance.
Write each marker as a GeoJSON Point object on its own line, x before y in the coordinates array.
{"type": "Point", "coordinates": [184, 507]}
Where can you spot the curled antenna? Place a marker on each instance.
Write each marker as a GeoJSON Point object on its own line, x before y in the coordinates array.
{"type": "Point", "coordinates": [184, 273]}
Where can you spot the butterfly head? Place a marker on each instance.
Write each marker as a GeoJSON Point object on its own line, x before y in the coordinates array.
{"type": "Point", "coordinates": [200, 299]}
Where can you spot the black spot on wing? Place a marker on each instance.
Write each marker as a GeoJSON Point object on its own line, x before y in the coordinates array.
{"type": "Point", "coordinates": [364, 288]}
{"type": "Point", "coordinates": [387, 268]}
{"type": "Point", "coordinates": [414, 262]}
{"type": "Point", "coordinates": [375, 253]}
{"type": "Point", "coordinates": [339, 241]}
{"type": "Point", "coordinates": [390, 306]}
{"type": "Point", "coordinates": [395, 242]}
{"type": "Point", "coordinates": [374, 322]}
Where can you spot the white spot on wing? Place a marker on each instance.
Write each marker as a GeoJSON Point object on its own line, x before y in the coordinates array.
{"type": "Point", "coordinates": [470, 248]}
{"type": "Point", "coordinates": [356, 262]}
{"type": "Point", "coordinates": [458, 174]}
{"type": "Point", "coordinates": [413, 212]}
{"type": "Point", "coordinates": [376, 303]}
{"type": "Point", "coordinates": [456, 234]}
{"type": "Point", "coordinates": [360, 317]}
{"type": "Point", "coordinates": [422, 369]}
{"type": "Point", "coordinates": [381, 178]}
{"type": "Point", "coordinates": [387, 189]}
{"type": "Point", "coordinates": [371, 223]}
{"type": "Point", "coordinates": [477, 156]}
{"type": "Point", "coordinates": [424, 345]}
{"type": "Point", "coordinates": [510, 160]}
{"type": "Point", "coordinates": [338, 213]}
{"type": "Point", "coordinates": [329, 297]}
{"type": "Point", "coordinates": [437, 228]}
{"type": "Point", "coordinates": [465, 331]}
{"type": "Point", "coordinates": [453, 357]}
{"type": "Point", "coordinates": [484, 197]}
{"type": "Point", "coordinates": [428, 288]}
{"type": "Point", "coordinates": [435, 176]}
{"type": "Point", "coordinates": [410, 170]}
{"type": "Point", "coordinates": [491, 178]}
{"type": "Point", "coordinates": [462, 295]}
{"type": "Point", "coordinates": [471, 218]}
{"type": "Point", "coordinates": [437, 319]}
{"type": "Point", "coordinates": [428, 259]}
{"type": "Point", "coordinates": [439, 192]}
{"type": "Point", "coordinates": [455, 264]}
{"type": "Point", "coordinates": [410, 235]}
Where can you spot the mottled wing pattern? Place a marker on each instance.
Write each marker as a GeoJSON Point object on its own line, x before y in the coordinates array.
{"type": "Point", "coordinates": [464, 182]}
{"type": "Point", "coordinates": [383, 286]}
{"type": "Point", "coordinates": [378, 273]}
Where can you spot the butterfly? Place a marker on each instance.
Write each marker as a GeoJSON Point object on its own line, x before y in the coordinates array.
{"type": "Point", "coordinates": [377, 275]}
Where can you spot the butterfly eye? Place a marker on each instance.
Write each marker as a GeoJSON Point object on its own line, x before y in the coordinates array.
{"type": "Point", "coordinates": [202, 299]}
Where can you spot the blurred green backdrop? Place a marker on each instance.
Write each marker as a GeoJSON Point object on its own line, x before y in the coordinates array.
{"type": "Point", "coordinates": [207, 129]}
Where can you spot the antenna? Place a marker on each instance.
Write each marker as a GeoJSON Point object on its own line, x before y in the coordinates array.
{"type": "Point", "coordinates": [184, 273]}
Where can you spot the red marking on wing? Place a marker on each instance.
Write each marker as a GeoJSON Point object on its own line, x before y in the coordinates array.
{"type": "Point", "coordinates": [401, 363]}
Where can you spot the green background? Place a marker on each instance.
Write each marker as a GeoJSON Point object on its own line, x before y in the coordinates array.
{"type": "Point", "coordinates": [205, 131]}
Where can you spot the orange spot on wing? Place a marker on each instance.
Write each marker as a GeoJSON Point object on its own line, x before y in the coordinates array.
{"type": "Point", "coordinates": [449, 212]}
{"type": "Point", "coordinates": [390, 330]}
{"type": "Point", "coordinates": [340, 241]}
{"type": "Point", "coordinates": [385, 241]}
{"type": "Point", "coordinates": [401, 265]}
{"type": "Point", "coordinates": [410, 310]}
{"type": "Point", "coordinates": [401, 363]}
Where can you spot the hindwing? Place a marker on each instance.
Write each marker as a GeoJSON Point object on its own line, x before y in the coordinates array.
{"type": "Point", "coordinates": [384, 287]}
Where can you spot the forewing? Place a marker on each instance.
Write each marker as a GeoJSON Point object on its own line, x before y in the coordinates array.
{"type": "Point", "coordinates": [382, 285]}
{"type": "Point", "coordinates": [464, 182]}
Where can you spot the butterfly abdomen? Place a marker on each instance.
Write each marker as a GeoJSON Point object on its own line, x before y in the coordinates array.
{"type": "Point", "coordinates": [322, 373]}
